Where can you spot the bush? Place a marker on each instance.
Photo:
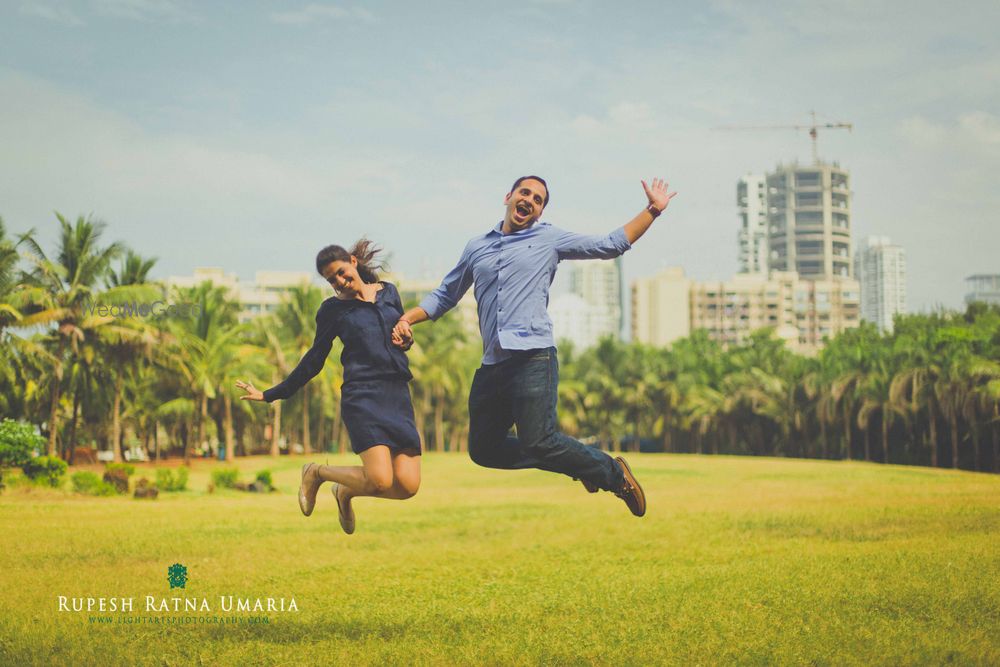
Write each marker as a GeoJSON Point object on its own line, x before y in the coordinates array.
{"type": "Point", "coordinates": [18, 443]}
{"type": "Point", "coordinates": [171, 480]}
{"type": "Point", "coordinates": [129, 469]}
{"type": "Point", "coordinates": [225, 477]}
{"type": "Point", "coordinates": [118, 478]}
{"type": "Point", "coordinates": [181, 479]}
{"type": "Point", "coordinates": [90, 484]}
{"type": "Point", "coordinates": [46, 470]}
{"type": "Point", "coordinates": [264, 477]}
{"type": "Point", "coordinates": [143, 489]}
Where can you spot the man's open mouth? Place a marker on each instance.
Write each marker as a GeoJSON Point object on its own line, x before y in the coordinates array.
{"type": "Point", "coordinates": [523, 210]}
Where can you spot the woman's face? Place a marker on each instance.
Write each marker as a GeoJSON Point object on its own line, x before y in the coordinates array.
{"type": "Point", "coordinates": [343, 277]}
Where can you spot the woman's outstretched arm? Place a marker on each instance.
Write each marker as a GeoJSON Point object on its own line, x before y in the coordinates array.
{"type": "Point", "coordinates": [308, 367]}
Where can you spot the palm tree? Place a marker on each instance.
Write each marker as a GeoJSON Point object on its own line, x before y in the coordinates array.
{"type": "Point", "coordinates": [876, 397]}
{"type": "Point", "coordinates": [9, 258]}
{"type": "Point", "coordinates": [436, 360]}
{"type": "Point", "coordinates": [58, 292]}
{"type": "Point", "coordinates": [296, 321]}
{"type": "Point", "coordinates": [330, 380]}
{"type": "Point", "coordinates": [129, 340]}
{"type": "Point", "coordinates": [202, 349]}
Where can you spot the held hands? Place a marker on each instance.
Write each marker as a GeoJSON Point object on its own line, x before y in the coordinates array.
{"type": "Point", "coordinates": [402, 335]}
{"type": "Point", "coordinates": [252, 393]}
{"type": "Point", "coordinates": [657, 194]}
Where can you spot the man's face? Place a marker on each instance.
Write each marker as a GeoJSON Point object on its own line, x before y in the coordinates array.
{"type": "Point", "coordinates": [524, 205]}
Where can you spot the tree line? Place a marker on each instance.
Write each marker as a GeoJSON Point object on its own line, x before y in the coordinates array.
{"type": "Point", "coordinates": [163, 385]}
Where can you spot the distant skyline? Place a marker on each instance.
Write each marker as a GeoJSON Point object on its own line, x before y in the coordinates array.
{"type": "Point", "coordinates": [247, 135]}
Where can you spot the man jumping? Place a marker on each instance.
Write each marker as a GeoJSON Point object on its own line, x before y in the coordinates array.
{"type": "Point", "coordinates": [512, 267]}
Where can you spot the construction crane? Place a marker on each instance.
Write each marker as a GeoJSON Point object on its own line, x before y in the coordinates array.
{"type": "Point", "coordinates": [813, 129]}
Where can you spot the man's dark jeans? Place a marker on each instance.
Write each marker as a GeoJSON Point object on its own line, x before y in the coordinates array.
{"type": "Point", "coordinates": [523, 390]}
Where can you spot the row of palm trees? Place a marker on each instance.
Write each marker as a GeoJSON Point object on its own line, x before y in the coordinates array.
{"type": "Point", "coordinates": [927, 394]}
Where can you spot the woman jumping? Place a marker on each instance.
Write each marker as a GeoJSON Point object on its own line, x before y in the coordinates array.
{"type": "Point", "coordinates": [375, 401]}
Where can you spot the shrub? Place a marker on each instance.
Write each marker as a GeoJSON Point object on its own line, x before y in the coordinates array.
{"type": "Point", "coordinates": [180, 479]}
{"type": "Point", "coordinates": [225, 477]}
{"type": "Point", "coordinates": [264, 477]}
{"type": "Point", "coordinates": [18, 442]}
{"type": "Point", "coordinates": [118, 478]}
{"type": "Point", "coordinates": [128, 468]}
{"type": "Point", "coordinates": [143, 489]}
{"type": "Point", "coordinates": [171, 480]}
{"type": "Point", "coordinates": [90, 484]}
{"type": "Point", "coordinates": [46, 470]}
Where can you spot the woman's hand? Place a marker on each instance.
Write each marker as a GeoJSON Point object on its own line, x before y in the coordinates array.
{"type": "Point", "coordinates": [402, 335]}
{"type": "Point", "coordinates": [252, 393]}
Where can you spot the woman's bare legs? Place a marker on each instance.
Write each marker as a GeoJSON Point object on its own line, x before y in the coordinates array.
{"type": "Point", "coordinates": [384, 473]}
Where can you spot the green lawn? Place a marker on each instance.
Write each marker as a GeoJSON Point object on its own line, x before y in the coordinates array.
{"type": "Point", "coordinates": [753, 561]}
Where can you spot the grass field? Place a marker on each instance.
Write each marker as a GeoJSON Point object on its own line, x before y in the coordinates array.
{"type": "Point", "coordinates": [752, 561]}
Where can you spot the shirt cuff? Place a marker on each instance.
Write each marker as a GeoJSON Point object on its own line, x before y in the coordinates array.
{"type": "Point", "coordinates": [430, 304]}
{"type": "Point", "coordinates": [620, 240]}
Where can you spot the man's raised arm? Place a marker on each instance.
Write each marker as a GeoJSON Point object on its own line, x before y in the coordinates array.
{"type": "Point", "coordinates": [571, 245]}
{"type": "Point", "coordinates": [659, 199]}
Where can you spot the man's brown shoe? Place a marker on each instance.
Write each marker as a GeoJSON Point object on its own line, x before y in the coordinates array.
{"type": "Point", "coordinates": [631, 492]}
{"type": "Point", "coordinates": [308, 488]}
{"type": "Point", "coordinates": [345, 511]}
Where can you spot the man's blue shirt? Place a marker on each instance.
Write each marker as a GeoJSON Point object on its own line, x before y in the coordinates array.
{"type": "Point", "coordinates": [512, 274]}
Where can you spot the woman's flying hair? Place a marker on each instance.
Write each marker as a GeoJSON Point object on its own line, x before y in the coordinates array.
{"type": "Point", "coordinates": [365, 252]}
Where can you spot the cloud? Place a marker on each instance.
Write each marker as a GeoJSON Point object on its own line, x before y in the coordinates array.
{"type": "Point", "coordinates": [179, 196]}
{"type": "Point", "coordinates": [314, 13]}
{"type": "Point", "coordinates": [62, 15]}
{"type": "Point", "coordinates": [981, 126]}
{"type": "Point", "coordinates": [919, 131]}
{"type": "Point", "coordinates": [146, 10]}
{"type": "Point", "coordinates": [971, 131]}
{"type": "Point", "coordinates": [622, 118]}
{"type": "Point", "coordinates": [631, 114]}
{"type": "Point", "coordinates": [585, 124]}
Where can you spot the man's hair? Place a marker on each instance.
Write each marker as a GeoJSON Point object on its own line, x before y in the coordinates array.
{"type": "Point", "coordinates": [533, 178]}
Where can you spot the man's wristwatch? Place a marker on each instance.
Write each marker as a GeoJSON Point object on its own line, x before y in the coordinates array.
{"type": "Point", "coordinates": [653, 211]}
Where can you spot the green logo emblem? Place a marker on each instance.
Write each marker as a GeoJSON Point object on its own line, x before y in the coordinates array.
{"type": "Point", "coordinates": [177, 575]}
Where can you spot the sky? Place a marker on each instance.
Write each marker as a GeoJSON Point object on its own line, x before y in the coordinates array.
{"type": "Point", "coordinates": [247, 135]}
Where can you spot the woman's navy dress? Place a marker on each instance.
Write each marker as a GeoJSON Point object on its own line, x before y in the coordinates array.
{"type": "Point", "coordinates": [375, 399]}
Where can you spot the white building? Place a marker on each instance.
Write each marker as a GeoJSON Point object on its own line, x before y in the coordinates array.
{"type": "Point", "coordinates": [751, 200]}
{"type": "Point", "coordinates": [983, 287]}
{"type": "Point", "coordinates": [803, 313]}
{"type": "Point", "coordinates": [880, 268]}
{"type": "Point", "coordinates": [575, 320]}
{"type": "Point", "coordinates": [809, 220]}
{"type": "Point", "coordinates": [661, 307]}
{"type": "Point", "coordinates": [598, 311]}
{"type": "Point", "coordinates": [262, 295]}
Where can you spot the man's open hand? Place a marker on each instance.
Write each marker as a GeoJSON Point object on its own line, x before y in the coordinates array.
{"type": "Point", "coordinates": [657, 193]}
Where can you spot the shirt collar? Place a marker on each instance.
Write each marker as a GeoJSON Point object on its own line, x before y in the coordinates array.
{"type": "Point", "coordinates": [350, 302]}
{"type": "Point", "coordinates": [498, 229]}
